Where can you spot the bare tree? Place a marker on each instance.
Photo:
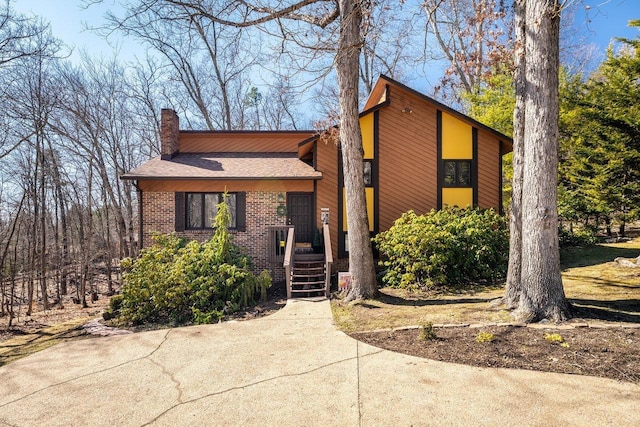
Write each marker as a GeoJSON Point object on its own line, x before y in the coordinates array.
{"type": "Point", "coordinates": [21, 38]}
{"type": "Point", "coordinates": [32, 98]}
{"type": "Point", "coordinates": [208, 60]}
{"type": "Point", "coordinates": [473, 37]}
{"type": "Point", "coordinates": [97, 122]}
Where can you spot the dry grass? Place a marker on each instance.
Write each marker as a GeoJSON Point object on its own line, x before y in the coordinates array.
{"type": "Point", "coordinates": [29, 343]}
{"type": "Point", "coordinates": [592, 280]}
{"type": "Point", "coordinates": [595, 284]}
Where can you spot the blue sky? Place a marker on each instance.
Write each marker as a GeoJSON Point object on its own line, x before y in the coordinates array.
{"type": "Point", "coordinates": [68, 22]}
{"type": "Point", "coordinates": [605, 19]}
{"type": "Point", "coordinates": [601, 20]}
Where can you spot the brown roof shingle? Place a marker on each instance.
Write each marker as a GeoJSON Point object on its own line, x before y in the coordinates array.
{"type": "Point", "coordinates": [225, 166]}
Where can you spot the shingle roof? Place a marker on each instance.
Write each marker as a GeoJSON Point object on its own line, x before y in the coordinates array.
{"type": "Point", "coordinates": [226, 166]}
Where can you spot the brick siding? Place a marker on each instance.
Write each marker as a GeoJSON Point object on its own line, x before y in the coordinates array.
{"type": "Point", "coordinates": [159, 216]}
{"type": "Point", "coordinates": [169, 133]}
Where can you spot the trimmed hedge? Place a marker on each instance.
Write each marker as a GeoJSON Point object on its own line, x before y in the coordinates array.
{"type": "Point", "coordinates": [448, 247]}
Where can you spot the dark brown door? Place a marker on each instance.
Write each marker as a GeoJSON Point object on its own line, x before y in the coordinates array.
{"type": "Point", "coordinates": [300, 215]}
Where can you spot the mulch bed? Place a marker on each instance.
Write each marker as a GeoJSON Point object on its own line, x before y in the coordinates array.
{"type": "Point", "coordinates": [609, 353]}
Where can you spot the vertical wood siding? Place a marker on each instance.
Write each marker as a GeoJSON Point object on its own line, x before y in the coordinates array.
{"type": "Point", "coordinates": [241, 142]}
{"type": "Point", "coordinates": [489, 159]}
{"type": "Point", "coordinates": [407, 157]}
{"type": "Point", "coordinates": [327, 191]}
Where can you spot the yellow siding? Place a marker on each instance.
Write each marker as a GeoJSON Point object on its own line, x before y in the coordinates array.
{"type": "Point", "coordinates": [370, 208]}
{"type": "Point", "coordinates": [457, 140]}
{"type": "Point", "coordinates": [366, 126]}
{"type": "Point", "coordinates": [461, 197]}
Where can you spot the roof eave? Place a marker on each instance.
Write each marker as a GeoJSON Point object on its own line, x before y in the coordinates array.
{"type": "Point", "coordinates": [226, 178]}
{"type": "Point", "coordinates": [449, 110]}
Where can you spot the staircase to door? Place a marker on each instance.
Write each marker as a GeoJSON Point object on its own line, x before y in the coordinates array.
{"type": "Point", "coordinates": [308, 275]}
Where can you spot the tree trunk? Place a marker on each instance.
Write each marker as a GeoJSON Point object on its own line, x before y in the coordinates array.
{"type": "Point", "coordinates": [514, 286]}
{"type": "Point", "coordinates": [542, 293]}
{"type": "Point", "coordinates": [43, 228]}
{"type": "Point", "coordinates": [347, 65]}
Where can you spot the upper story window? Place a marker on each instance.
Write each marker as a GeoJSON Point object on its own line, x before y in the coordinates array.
{"type": "Point", "coordinates": [201, 209]}
{"type": "Point", "coordinates": [368, 173]}
{"type": "Point", "coordinates": [457, 173]}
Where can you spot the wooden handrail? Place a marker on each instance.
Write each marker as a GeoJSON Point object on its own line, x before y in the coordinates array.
{"type": "Point", "coordinates": [328, 257]}
{"type": "Point", "coordinates": [289, 254]}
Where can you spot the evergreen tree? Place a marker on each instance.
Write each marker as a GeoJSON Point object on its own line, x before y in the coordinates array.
{"type": "Point", "coordinates": [600, 172]}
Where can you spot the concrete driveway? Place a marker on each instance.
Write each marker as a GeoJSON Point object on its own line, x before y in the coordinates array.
{"type": "Point", "coordinates": [289, 369]}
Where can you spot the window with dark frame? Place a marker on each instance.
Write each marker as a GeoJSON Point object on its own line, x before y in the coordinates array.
{"type": "Point", "coordinates": [457, 173]}
{"type": "Point", "coordinates": [368, 174]}
{"type": "Point", "coordinates": [202, 208]}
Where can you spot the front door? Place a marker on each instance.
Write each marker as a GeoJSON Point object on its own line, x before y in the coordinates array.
{"type": "Point", "coordinates": [300, 215]}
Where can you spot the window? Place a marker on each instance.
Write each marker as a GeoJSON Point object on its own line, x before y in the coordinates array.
{"type": "Point", "coordinates": [201, 209]}
{"type": "Point", "coordinates": [368, 175]}
{"type": "Point", "coordinates": [457, 173]}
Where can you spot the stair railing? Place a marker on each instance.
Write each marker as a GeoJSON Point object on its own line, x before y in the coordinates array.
{"type": "Point", "coordinates": [328, 258]}
{"type": "Point", "coordinates": [289, 255]}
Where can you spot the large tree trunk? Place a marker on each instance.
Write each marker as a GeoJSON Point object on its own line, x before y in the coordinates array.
{"type": "Point", "coordinates": [347, 65]}
{"type": "Point", "coordinates": [514, 286]}
{"type": "Point", "coordinates": [542, 293]}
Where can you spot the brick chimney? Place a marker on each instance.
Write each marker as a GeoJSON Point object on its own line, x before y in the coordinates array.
{"type": "Point", "coordinates": [169, 134]}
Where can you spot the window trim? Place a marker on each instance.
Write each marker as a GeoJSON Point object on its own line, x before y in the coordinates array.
{"type": "Point", "coordinates": [457, 163]}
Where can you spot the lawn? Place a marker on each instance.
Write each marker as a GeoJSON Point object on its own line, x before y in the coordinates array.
{"type": "Point", "coordinates": [591, 280]}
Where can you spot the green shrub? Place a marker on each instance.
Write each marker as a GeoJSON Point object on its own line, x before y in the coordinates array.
{"type": "Point", "coordinates": [576, 237]}
{"type": "Point", "coordinates": [175, 281]}
{"type": "Point", "coordinates": [115, 303]}
{"type": "Point", "coordinates": [447, 247]}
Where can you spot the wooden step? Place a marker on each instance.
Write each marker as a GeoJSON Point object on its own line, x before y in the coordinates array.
{"type": "Point", "coordinates": [308, 277]}
{"type": "Point", "coordinates": [315, 292]}
{"type": "Point", "coordinates": [308, 268]}
{"type": "Point", "coordinates": [301, 275]}
{"type": "Point", "coordinates": [308, 264]}
{"type": "Point", "coordinates": [309, 257]}
{"type": "Point", "coordinates": [308, 282]}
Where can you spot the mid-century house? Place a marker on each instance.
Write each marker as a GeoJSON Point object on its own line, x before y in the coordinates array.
{"type": "Point", "coordinates": [418, 154]}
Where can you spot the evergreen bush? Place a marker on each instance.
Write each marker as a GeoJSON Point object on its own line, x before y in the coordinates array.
{"type": "Point", "coordinates": [448, 247]}
{"type": "Point", "coordinates": [179, 282]}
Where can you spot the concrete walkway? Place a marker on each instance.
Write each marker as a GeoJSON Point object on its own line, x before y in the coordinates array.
{"type": "Point", "coordinates": [289, 369]}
